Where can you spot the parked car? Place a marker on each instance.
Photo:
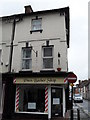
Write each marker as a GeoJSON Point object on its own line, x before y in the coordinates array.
{"type": "Point", "coordinates": [78, 98]}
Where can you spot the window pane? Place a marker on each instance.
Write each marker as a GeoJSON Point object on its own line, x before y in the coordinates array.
{"type": "Point", "coordinates": [31, 98]}
{"type": "Point", "coordinates": [47, 52]}
{"type": "Point", "coordinates": [48, 62]}
{"type": "Point", "coordinates": [36, 24]}
{"type": "Point", "coordinates": [37, 27]}
{"type": "Point", "coordinates": [27, 53]}
{"type": "Point", "coordinates": [26, 64]}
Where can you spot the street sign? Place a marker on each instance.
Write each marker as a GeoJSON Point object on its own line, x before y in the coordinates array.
{"type": "Point", "coordinates": [71, 78]}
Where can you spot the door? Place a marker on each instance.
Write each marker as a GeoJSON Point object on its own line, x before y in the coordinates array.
{"type": "Point", "coordinates": [56, 102]}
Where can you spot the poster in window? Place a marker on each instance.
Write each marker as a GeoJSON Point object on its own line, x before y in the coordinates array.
{"type": "Point", "coordinates": [53, 90]}
{"type": "Point", "coordinates": [31, 105]}
{"type": "Point", "coordinates": [56, 101]}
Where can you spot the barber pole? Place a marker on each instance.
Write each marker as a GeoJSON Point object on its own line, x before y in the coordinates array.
{"type": "Point", "coordinates": [17, 99]}
{"type": "Point", "coordinates": [14, 81]}
{"type": "Point", "coordinates": [46, 99]}
{"type": "Point", "coordinates": [65, 80]}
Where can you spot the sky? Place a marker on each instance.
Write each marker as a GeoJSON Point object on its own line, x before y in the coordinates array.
{"type": "Point", "coordinates": [78, 51]}
{"type": "Point", "coordinates": [88, 39]}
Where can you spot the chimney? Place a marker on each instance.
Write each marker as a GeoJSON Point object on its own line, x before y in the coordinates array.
{"type": "Point", "coordinates": [28, 9]}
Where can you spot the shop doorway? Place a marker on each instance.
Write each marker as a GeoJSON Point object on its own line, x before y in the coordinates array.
{"type": "Point", "coordinates": [56, 102]}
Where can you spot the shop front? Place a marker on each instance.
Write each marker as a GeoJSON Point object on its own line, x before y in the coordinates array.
{"type": "Point", "coordinates": [41, 96]}
{"type": "Point", "coordinates": [34, 96]}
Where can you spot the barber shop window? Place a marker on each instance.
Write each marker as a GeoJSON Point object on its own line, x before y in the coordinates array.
{"type": "Point", "coordinates": [30, 99]}
{"type": "Point", "coordinates": [48, 57]}
{"type": "Point", "coordinates": [26, 58]}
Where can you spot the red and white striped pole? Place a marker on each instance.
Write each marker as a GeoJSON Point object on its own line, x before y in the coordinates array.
{"type": "Point", "coordinates": [17, 99]}
{"type": "Point", "coordinates": [46, 99]}
{"type": "Point", "coordinates": [14, 81]}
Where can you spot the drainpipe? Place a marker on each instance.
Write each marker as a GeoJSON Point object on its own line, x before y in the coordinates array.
{"type": "Point", "coordinates": [12, 39]}
{"type": "Point", "coordinates": [11, 47]}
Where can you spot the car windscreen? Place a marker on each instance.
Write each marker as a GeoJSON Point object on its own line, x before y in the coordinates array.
{"type": "Point", "coordinates": [77, 95]}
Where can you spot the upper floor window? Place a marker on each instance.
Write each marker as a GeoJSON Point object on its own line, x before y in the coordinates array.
{"type": "Point", "coordinates": [47, 57]}
{"type": "Point", "coordinates": [26, 58]}
{"type": "Point", "coordinates": [36, 24]}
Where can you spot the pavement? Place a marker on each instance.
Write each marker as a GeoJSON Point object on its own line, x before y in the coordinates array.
{"type": "Point", "coordinates": [84, 107]}
{"type": "Point", "coordinates": [84, 110]}
{"type": "Point", "coordinates": [0, 116]}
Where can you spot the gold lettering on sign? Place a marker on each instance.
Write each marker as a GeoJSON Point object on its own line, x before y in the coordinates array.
{"type": "Point", "coordinates": [40, 80]}
{"type": "Point", "coordinates": [51, 80]}
{"type": "Point", "coordinates": [36, 80]}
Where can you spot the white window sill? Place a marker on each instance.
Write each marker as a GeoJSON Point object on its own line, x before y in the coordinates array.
{"type": "Point", "coordinates": [32, 112]}
{"type": "Point", "coordinates": [26, 70]}
{"type": "Point", "coordinates": [36, 31]}
{"type": "Point", "coordinates": [51, 69]}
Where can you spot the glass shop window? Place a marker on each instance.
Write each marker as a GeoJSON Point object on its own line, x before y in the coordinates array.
{"type": "Point", "coordinates": [31, 99]}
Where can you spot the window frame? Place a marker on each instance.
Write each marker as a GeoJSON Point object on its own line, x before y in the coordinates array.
{"type": "Point", "coordinates": [25, 89]}
{"type": "Point", "coordinates": [36, 30]}
{"type": "Point", "coordinates": [30, 58]}
{"type": "Point", "coordinates": [52, 57]}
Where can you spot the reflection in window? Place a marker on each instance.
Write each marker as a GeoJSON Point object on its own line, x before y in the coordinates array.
{"type": "Point", "coordinates": [47, 62]}
{"type": "Point", "coordinates": [26, 58]}
{"type": "Point", "coordinates": [31, 98]}
{"type": "Point", "coordinates": [47, 57]}
{"type": "Point", "coordinates": [36, 24]}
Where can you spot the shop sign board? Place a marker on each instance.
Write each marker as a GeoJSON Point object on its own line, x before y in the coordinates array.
{"type": "Point", "coordinates": [40, 80]}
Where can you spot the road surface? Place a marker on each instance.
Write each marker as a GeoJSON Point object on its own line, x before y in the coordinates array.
{"type": "Point", "coordinates": [84, 110]}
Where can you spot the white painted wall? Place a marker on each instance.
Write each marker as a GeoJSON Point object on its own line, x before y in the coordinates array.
{"type": "Point", "coordinates": [53, 26]}
{"type": "Point", "coordinates": [54, 30]}
{"type": "Point", "coordinates": [6, 31]}
{"type": "Point", "coordinates": [0, 43]}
